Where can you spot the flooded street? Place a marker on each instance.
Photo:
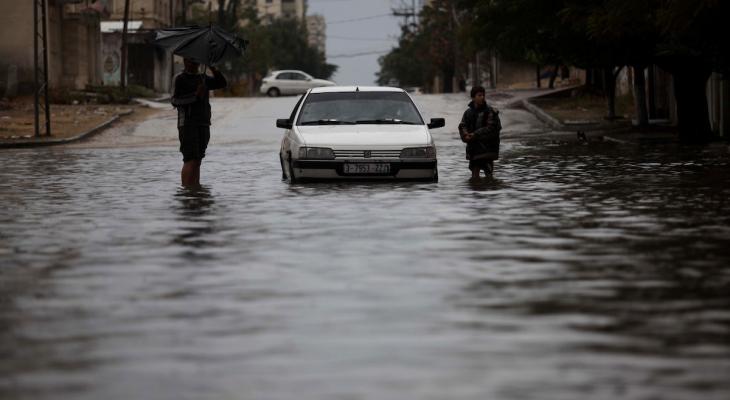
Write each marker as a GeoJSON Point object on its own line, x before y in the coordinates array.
{"type": "Point", "coordinates": [581, 271]}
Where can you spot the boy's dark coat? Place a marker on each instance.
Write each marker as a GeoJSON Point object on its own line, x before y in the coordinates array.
{"type": "Point", "coordinates": [484, 123]}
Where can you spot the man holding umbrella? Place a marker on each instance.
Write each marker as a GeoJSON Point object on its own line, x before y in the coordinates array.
{"type": "Point", "coordinates": [191, 98]}
{"type": "Point", "coordinates": [209, 45]}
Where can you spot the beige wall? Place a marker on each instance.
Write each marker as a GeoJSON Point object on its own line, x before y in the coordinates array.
{"type": "Point", "coordinates": [73, 45]}
{"type": "Point", "coordinates": [153, 13]}
{"type": "Point", "coordinates": [81, 48]}
{"type": "Point", "coordinates": [16, 31]}
{"type": "Point", "coordinates": [515, 72]}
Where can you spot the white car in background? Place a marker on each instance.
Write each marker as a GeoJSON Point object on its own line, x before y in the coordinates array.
{"type": "Point", "coordinates": [349, 132]}
{"type": "Point", "coordinates": [277, 83]}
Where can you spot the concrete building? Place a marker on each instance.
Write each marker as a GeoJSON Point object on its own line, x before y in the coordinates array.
{"type": "Point", "coordinates": [148, 65]}
{"type": "Point", "coordinates": [152, 14]}
{"type": "Point", "coordinates": [317, 31]}
{"type": "Point", "coordinates": [73, 39]}
{"type": "Point", "coordinates": [270, 10]}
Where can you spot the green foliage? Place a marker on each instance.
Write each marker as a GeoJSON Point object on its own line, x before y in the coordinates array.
{"type": "Point", "coordinates": [288, 49]}
{"type": "Point", "coordinates": [424, 51]}
{"type": "Point", "coordinates": [587, 33]}
{"type": "Point", "coordinates": [399, 67]}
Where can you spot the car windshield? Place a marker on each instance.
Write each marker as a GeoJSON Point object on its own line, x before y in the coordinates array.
{"type": "Point", "coordinates": [359, 108]}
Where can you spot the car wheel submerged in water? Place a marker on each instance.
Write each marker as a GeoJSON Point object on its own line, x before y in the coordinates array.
{"type": "Point", "coordinates": [352, 133]}
{"type": "Point", "coordinates": [283, 171]}
{"type": "Point", "coordinates": [292, 178]}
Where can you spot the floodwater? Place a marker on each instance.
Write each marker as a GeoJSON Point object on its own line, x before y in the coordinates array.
{"type": "Point", "coordinates": [580, 271]}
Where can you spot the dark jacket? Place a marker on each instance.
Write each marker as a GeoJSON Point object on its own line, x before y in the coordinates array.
{"type": "Point", "coordinates": [192, 110]}
{"type": "Point", "coordinates": [484, 123]}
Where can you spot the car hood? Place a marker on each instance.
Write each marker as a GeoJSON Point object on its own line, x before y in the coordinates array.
{"type": "Point", "coordinates": [323, 82]}
{"type": "Point", "coordinates": [372, 136]}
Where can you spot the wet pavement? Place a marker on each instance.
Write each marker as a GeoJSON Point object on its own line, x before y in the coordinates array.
{"type": "Point", "coordinates": [581, 270]}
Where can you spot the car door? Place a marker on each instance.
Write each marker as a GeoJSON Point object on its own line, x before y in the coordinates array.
{"type": "Point", "coordinates": [301, 83]}
{"type": "Point", "coordinates": [284, 83]}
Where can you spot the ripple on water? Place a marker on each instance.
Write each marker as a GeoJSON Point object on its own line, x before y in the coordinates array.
{"type": "Point", "coordinates": [577, 272]}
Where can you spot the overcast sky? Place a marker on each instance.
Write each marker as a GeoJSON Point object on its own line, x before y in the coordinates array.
{"type": "Point", "coordinates": [373, 30]}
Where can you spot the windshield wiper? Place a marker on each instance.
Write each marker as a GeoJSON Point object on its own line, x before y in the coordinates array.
{"type": "Point", "coordinates": [327, 122]}
{"type": "Point", "coordinates": [385, 121]}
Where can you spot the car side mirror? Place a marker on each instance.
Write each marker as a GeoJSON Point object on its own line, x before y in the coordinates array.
{"type": "Point", "coordinates": [283, 123]}
{"type": "Point", "coordinates": [437, 123]}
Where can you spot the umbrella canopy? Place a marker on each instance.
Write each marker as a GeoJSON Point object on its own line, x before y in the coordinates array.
{"type": "Point", "coordinates": [208, 45]}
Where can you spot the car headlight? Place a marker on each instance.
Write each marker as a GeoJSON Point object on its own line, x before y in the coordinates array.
{"type": "Point", "coordinates": [418, 152]}
{"type": "Point", "coordinates": [316, 153]}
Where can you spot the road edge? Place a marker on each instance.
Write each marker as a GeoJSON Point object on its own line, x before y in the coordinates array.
{"type": "Point", "coordinates": [54, 142]}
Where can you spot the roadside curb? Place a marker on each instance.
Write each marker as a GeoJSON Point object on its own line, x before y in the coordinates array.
{"type": "Point", "coordinates": [543, 116]}
{"type": "Point", "coordinates": [158, 103]}
{"type": "Point", "coordinates": [54, 142]}
{"type": "Point", "coordinates": [592, 130]}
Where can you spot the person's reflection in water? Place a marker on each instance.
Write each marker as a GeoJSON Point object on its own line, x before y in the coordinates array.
{"type": "Point", "coordinates": [197, 227]}
{"type": "Point", "coordinates": [487, 183]}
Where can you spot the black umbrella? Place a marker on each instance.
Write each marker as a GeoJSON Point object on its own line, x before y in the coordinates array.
{"type": "Point", "coordinates": [208, 45]}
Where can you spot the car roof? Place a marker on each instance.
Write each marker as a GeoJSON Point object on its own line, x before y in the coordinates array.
{"type": "Point", "coordinates": [340, 89]}
{"type": "Point", "coordinates": [288, 70]}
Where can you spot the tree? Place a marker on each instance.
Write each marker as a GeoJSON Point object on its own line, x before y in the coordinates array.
{"type": "Point", "coordinates": [289, 49]}
{"type": "Point", "coordinates": [399, 66]}
{"type": "Point", "coordinates": [693, 44]}
{"type": "Point", "coordinates": [426, 51]}
{"type": "Point", "coordinates": [282, 44]}
{"type": "Point", "coordinates": [684, 37]}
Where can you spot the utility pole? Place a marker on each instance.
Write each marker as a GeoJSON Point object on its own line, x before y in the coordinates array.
{"type": "Point", "coordinates": [123, 77]}
{"type": "Point", "coordinates": [172, 56]}
{"type": "Point", "coordinates": [40, 39]}
{"type": "Point", "coordinates": [407, 13]}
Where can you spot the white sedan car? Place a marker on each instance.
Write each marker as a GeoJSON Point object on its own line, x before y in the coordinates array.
{"type": "Point", "coordinates": [277, 83]}
{"type": "Point", "coordinates": [349, 132]}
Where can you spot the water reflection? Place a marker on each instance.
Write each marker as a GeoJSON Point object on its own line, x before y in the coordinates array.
{"type": "Point", "coordinates": [486, 183]}
{"type": "Point", "coordinates": [194, 201]}
{"type": "Point", "coordinates": [197, 222]}
{"type": "Point", "coordinates": [587, 271]}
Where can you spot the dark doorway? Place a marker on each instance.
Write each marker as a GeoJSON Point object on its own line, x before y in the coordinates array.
{"type": "Point", "coordinates": [141, 65]}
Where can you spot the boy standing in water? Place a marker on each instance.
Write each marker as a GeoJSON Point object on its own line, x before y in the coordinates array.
{"type": "Point", "coordinates": [479, 129]}
{"type": "Point", "coordinates": [191, 98]}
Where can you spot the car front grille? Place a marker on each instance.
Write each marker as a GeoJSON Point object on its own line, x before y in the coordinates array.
{"type": "Point", "coordinates": [365, 154]}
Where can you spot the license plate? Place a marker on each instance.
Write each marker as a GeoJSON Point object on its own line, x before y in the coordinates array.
{"type": "Point", "coordinates": [364, 169]}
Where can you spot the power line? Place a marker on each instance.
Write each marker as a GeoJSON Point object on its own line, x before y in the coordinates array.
{"type": "Point", "coordinates": [342, 21]}
{"type": "Point", "coordinates": [360, 39]}
{"type": "Point", "coordinates": [365, 53]}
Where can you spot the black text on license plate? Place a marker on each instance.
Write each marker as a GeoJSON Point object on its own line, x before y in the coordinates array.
{"type": "Point", "coordinates": [364, 169]}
